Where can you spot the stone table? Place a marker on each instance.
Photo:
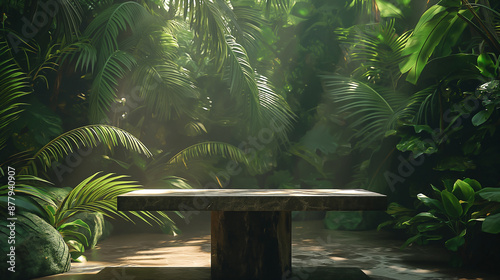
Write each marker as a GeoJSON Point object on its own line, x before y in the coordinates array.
{"type": "Point", "coordinates": [251, 228]}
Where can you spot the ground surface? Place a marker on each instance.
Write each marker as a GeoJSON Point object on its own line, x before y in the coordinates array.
{"type": "Point", "coordinates": [377, 254]}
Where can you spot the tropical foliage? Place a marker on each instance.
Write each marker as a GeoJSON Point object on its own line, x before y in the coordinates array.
{"type": "Point", "coordinates": [388, 95]}
{"type": "Point", "coordinates": [450, 216]}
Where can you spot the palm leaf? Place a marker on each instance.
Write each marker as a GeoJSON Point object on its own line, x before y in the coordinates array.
{"type": "Point", "coordinates": [244, 22]}
{"type": "Point", "coordinates": [106, 27]}
{"type": "Point", "coordinates": [168, 89]}
{"type": "Point", "coordinates": [86, 136]}
{"type": "Point", "coordinates": [68, 18]}
{"type": "Point", "coordinates": [265, 105]}
{"type": "Point", "coordinates": [378, 50]}
{"type": "Point", "coordinates": [14, 85]}
{"type": "Point", "coordinates": [154, 41]}
{"type": "Point", "coordinates": [103, 91]}
{"type": "Point", "coordinates": [275, 111]}
{"type": "Point", "coordinates": [99, 194]}
{"type": "Point", "coordinates": [279, 5]}
{"type": "Point", "coordinates": [210, 25]}
{"type": "Point", "coordinates": [370, 111]}
{"type": "Point", "coordinates": [84, 53]}
{"type": "Point", "coordinates": [208, 149]}
{"type": "Point", "coordinates": [240, 73]}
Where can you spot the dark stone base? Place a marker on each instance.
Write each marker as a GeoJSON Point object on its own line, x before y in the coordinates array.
{"type": "Point", "coordinates": [248, 245]}
{"type": "Point", "coordinates": [203, 273]}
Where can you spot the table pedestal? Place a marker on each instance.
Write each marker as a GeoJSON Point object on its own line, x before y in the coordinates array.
{"type": "Point", "coordinates": [251, 245]}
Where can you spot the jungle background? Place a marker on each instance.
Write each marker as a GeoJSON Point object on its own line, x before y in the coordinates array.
{"type": "Point", "coordinates": [394, 96]}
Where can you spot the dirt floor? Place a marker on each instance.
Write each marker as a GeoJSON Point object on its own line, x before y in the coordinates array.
{"type": "Point", "coordinates": [377, 254]}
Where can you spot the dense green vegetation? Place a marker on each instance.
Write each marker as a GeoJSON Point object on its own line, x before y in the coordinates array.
{"type": "Point", "coordinates": [395, 96]}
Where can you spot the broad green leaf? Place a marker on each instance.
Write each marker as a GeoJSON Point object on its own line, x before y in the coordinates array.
{"type": "Point", "coordinates": [74, 235]}
{"type": "Point", "coordinates": [492, 224]}
{"type": "Point", "coordinates": [473, 183]}
{"type": "Point", "coordinates": [423, 127]}
{"type": "Point", "coordinates": [491, 194]}
{"type": "Point", "coordinates": [429, 227]}
{"type": "Point", "coordinates": [417, 146]}
{"type": "Point", "coordinates": [75, 245]}
{"type": "Point", "coordinates": [431, 28]}
{"type": "Point", "coordinates": [436, 190]}
{"type": "Point", "coordinates": [75, 224]}
{"type": "Point", "coordinates": [431, 202]}
{"type": "Point", "coordinates": [387, 9]}
{"type": "Point", "coordinates": [453, 36]}
{"type": "Point", "coordinates": [482, 116]}
{"type": "Point", "coordinates": [411, 240]}
{"type": "Point", "coordinates": [451, 204]}
{"type": "Point", "coordinates": [395, 208]}
{"type": "Point", "coordinates": [424, 216]}
{"type": "Point", "coordinates": [454, 243]}
{"type": "Point", "coordinates": [432, 237]}
{"type": "Point", "coordinates": [486, 65]}
{"type": "Point", "coordinates": [459, 65]}
{"type": "Point", "coordinates": [463, 191]}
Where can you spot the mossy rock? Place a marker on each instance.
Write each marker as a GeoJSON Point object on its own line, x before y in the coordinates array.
{"type": "Point", "coordinates": [39, 248]}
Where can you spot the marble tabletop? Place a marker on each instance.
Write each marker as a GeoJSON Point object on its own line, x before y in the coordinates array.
{"type": "Point", "coordinates": [251, 200]}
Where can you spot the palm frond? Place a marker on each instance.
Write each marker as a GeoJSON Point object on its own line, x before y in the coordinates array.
{"type": "Point", "coordinates": [99, 194]}
{"type": "Point", "coordinates": [422, 106]}
{"type": "Point", "coordinates": [279, 5]}
{"type": "Point", "coordinates": [28, 194]}
{"type": "Point", "coordinates": [106, 27]}
{"type": "Point", "coordinates": [84, 53]}
{"type": "Point", "coordinates": [68, 18]}
{"type": "Point", "coordinates": [265, 105]}
{"type": "Point", "coordinates": [369, 110]}
{"type": "Point", "coordinates": [14, 85]}
{"type": "Point", "coordinates": [429, 106]}
{"type": "Point", "coordinates": [103, 91]}
{"type": "Point", "coordinates": [159, 43]}
{"type": "Point", "coordinates": [168, 89]}
{"type": "Point", "coordinates": [86, 136]}
{"type": "Point", "coordinates": [25, 186]}
{"type": "Point", "coordinates": [240, 73]}
{"type": "Point", "coordinates": [210, 26]}
{"type": "Point", "coordinates": [378, 50]}
{"type": "Point", "coordinates": [208, 149]}
{"type": "Point", "coordinates": [248, 22]}
{"type": "Point", "coordinates": [275, 110]}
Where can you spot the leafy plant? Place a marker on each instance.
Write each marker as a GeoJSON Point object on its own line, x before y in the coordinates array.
{"type": "Point", "coordinates": [87, 136]}
{"type": "Point", "coordinates": [372, 111]}
{"type": "Point", "coordinates": [14, 86]}
{"type": "Point", "coordinates": [450, 214]}
{"type": "Point", "coordinates": [97, 193]}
